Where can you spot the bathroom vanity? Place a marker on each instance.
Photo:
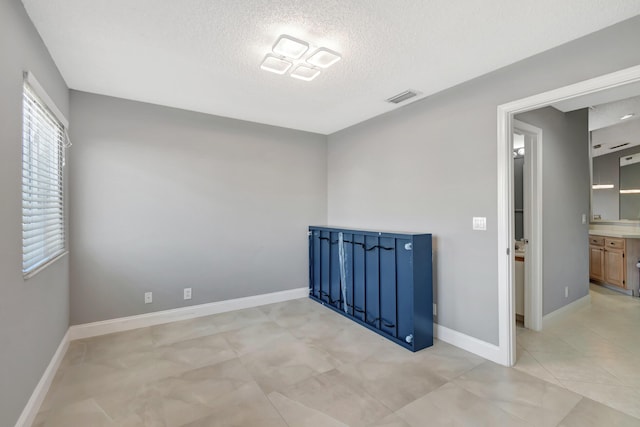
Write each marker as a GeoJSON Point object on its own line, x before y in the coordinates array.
{"type": "Point", "coordinates": [613, 255]}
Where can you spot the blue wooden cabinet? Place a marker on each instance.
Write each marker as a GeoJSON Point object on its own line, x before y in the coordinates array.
{"type": "Point", "coordinates": [382, 280]}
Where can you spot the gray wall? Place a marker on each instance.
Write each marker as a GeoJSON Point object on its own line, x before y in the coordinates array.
{"type": "Point", "coordinates": [565, 197]}
{"type": "Point", "coordinates": [34, 313]}
{"type": "Point", "coordinates": [431, 166]}
{"type": "Point", "coordinates": [164, 199]}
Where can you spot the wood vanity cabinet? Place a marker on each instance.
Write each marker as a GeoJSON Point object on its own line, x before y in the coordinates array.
{"type": "Point", "coordinates": [596, 258]}
{"type": "Point", "coordinates": [614, 265]}
{"type": "Point", "coordinates": [607, 260]}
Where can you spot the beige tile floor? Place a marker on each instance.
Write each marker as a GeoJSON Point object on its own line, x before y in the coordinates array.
{"type": "Point", "coordinates": [298, 364]}
{"type": "Point", "coordinates": [594, 352]}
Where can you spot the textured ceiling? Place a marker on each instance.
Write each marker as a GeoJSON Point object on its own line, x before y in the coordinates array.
{"type": "Point", "coordinates": [609, 114]}
{"type": "Point", "coordinates": [204, 55]}
{"type": "Point", "coordinates": [615, 138]}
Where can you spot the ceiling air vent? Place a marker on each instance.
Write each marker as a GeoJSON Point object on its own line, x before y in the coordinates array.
{"type": "Point", "coordinates": [618, 146]}
{"type": "Point", "coordinates": [403, 96]}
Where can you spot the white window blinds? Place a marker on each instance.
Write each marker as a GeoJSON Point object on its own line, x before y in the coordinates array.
{"type": "Point", "coordinates": [43, 141]}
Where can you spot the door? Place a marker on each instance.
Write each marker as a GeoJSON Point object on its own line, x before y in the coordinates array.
{"type": "Point", "coordinates": [596, 263]}
{"type": "Point", "coordinates": [614, 267]}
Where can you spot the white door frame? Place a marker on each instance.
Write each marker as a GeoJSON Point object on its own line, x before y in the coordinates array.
{"type": "Point", "coordinates": [532, 225]}
{"type": "Point", "coordinates": [506, 112]}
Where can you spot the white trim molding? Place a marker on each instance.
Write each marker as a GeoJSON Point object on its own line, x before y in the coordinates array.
{"type": "Point", "coordinates": [468, 343]}
{"type": "Point", "coordinates": [533, 228]}
{"type": "Point", "coordinates": [32, 407]}
{"type": "Point", "coordinates": [39, 90]}
{"type": "Point", "coordinates": [570, 308]}
{"type": "Point", "coordinates": [506, 112]}
{"type": "Point", "coordinates": [94, 329]}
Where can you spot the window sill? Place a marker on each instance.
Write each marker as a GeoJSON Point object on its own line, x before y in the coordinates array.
{"type": "Point", "coordinates": [32, 273]}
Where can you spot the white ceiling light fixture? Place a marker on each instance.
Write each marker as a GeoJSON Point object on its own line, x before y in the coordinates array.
{"type": "Point", "coordinates": [305, 72]}
{"type": "Point", "coordinates": [291, 55]}
{"type": "Point", "coordinates": [290, 47]}
{"type": "Point", "coordinates": [627, 116]}
{"type": "Point", "coordinates": [324, 58]}
{"type": "Point", "coordinates": [275, 65]}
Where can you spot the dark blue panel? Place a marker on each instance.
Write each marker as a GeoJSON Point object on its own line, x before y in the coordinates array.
{"type": "Point", "coordinates": [317, 262]}
{"type": "Point", "coordinates": [335, 292]}
{"type": "Point", "coordinates": [405, 288]}
{"type": "Point", "coordinates": [372, 281]}
{"type": "Point", "coordinates": [348, 251]}
{"type": "Point", "coordinates": [422, 292]}
{"type": "Point", "coordinates": [387, 252]}
{"type": "Point", "coordinates": [325, 266]}
{"type": "Point", "coordinates": [358, 276]}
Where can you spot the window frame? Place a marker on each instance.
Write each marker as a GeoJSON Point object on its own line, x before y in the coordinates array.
{"type": "Point", "coordinates": [46, 111]}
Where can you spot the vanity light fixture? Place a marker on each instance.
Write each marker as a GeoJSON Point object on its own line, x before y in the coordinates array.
{"type": "Point", "coordinates": [324, 58]}
{"type": "Point", "coordinates": [630, 191]}
{"type": "Point", "coordinates": [290, 47]}
{"type": "Point", "coordinates": [304, 72]}
{"type": "Point", "coordinates": [627, 116]}
{"type": "Point", "coordinates": [601, 186]}
{"type": "Point", "coordinates": [275, 65]}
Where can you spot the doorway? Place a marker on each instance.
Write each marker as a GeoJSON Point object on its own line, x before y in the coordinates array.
{"type": "Point", "coordinates": [506, 113]}
{"type": "Point", "coordinates": [528, 225]}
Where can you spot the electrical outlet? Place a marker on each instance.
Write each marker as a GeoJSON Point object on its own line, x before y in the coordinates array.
{"type": "Point", "coordinates": [584, 218]}
{"type": "Point", "coordinates": [148, 297]}
{"type": "Point", "coordinates": [435, 309]}
{"type": "Point", "coordinates": [187, 293]}
{"type": "Point", "coordinates": [566, 292]}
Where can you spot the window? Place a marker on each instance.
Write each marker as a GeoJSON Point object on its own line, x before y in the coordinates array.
{"type": "Point", "coordinates": [43, 144]}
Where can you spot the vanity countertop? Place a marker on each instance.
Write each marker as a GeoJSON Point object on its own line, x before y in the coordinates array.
{"type": "Point", "coordinates": [623, 234]}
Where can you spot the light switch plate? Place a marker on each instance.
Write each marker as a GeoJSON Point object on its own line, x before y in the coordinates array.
{"type": "Point", "coordinates": [480, 223]}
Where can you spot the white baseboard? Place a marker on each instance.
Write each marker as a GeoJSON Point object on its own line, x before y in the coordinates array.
{"type": "Point", "coordinates": [30, 411]}
{"type": "Point", "coordinates": [474, 345]}
{"type": "Point", "coordinates": [94, 329]}
{"type": "Point", "coordinates": [585, 301]}
{"type": "Point", "coordinates": [468, 343]}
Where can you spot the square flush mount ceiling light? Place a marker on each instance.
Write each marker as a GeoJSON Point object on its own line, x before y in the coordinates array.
{"type": "Point", "coordinates": [290, 54]}
{"type": "Point", "coordinates": [324, 58]}
{"type": "Point", "coordinates": [275, 64]}
{"type": "Point", "coordinates": [290, 47]}
{"type": "Point", "coordinates": [304, 72]}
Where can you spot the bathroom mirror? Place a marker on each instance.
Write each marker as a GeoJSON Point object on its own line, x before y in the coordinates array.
{"type": "Point", "coordinates": [615, 161]}
{"type": "Point", "coordinates": [630, 187]}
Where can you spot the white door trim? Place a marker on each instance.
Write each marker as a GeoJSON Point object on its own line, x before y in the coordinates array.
{"type": "Point", "coordinates": [506, 300]}
{"type": "Point", "coordinates": [533, 270]}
